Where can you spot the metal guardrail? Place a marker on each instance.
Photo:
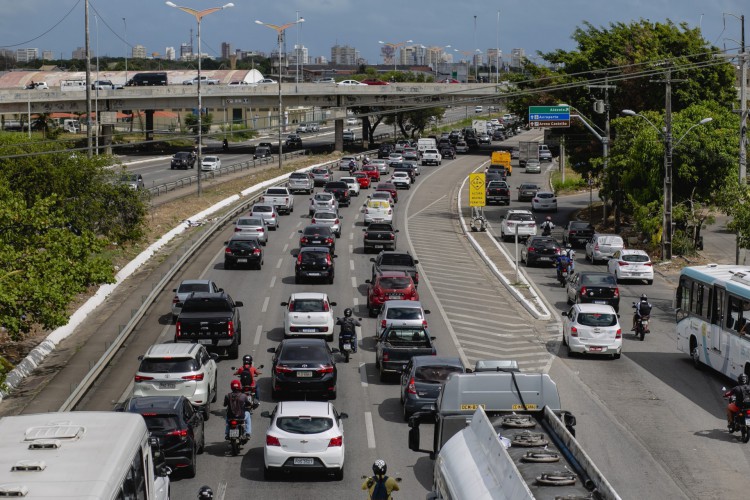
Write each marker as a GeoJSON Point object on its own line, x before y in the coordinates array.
{"type": "Point", "coordinates": [93, 374]}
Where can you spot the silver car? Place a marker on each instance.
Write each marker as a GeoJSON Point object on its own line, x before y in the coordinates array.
{"type": "Point", "coordinates": [300, 181]}
{"type": "Point", "coordinates": [395, 159]}
{"type": "Point", "coordinates": [381, 164]}
{"type": "Point", "coordinates": [328, 218]}
{"type": "Point", "coordinates": [252, 226]}
{"type": "Point", "coordinates": [407, 313]}
{"type": "Point", "coordinates": [268, 213]}
{"type": "Point", "coordinates": [186, 288]}
{"type": "Point", "coordinates": [323, 201]}
{"type": "Point", "coordinates": [533, 166]}
{"type": "Point", "coordinates": [321, 175]}
{"type": "Point", "coordinates": [603, 247]}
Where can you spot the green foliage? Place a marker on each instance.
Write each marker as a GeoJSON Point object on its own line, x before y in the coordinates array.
{"type": "Point", "coordinates": [191, 122]}
{"type": "Point", "coordinates": [569, 184]}
{"type": "Point", "coordinates": [734, 200]}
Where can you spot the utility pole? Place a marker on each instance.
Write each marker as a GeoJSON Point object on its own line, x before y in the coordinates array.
{"type": "Point", "coordinates": [88, 82]}
{"type": "Point", "coordinates": [743, 126]}
{"type": "Point", "coordinates": [605, 149]}
{"type": "Point", "coordinates": [667, 234]}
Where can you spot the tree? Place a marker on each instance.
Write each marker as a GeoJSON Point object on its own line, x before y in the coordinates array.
{"type": "Point", "coordinates": [191, 122]}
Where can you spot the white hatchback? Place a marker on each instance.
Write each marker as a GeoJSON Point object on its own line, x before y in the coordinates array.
{"type": "Point", "coordinates": [306, 436]}
{"type": "Point", "coordinates": [378, 211]}
{"type": "Point", "coordinates": [544, 200]}
{"type": "Point", "coordinates": [631, 264]}
{"type": "Point", "coordinates": [401, 180]}
{"type": "Point", "coordinates": [210, 163]}
{"type": "Point", "coordinates": [520, 220]}
{"type": "Point", "coordinates": [308, 314]}
{"type": "Point", "coordinates": [353, 184]}
{"type": "Point", "coordinates": [592, 329]}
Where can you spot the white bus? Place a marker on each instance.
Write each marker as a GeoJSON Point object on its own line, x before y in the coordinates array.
{"type": "Point", "coordinates": [713, 306]}
{"type": "Point", "coordinates": [81, 455]}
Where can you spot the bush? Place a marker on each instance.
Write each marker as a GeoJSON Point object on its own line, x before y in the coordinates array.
{"type": "Point", "coordinates": [569, 184]}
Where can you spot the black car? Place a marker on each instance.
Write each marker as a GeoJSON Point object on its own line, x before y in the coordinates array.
{"type": "Point", "coordinates": [498, 135]}
{"type": "Point", "coordinates": [314, 263]}
{"type": "Point", "coordinates": [293, 141]}
{"type": "Point", "coordinates": [315, 235]}
{"type": "Point", "coordinates": [526, 192]}
{"type": "Point", "coordinates": [183, 159]}
{"type": "Point", "coordinates": [303, 366]}
{"type": "Point", "coordinates": [243, 250]}
{"type": "Point", "coordinates": [448, 152]}
{"type": "Point", "coordinates": [594, 288]}
{"type": "Point", "coordinates": [472, 142]}
{"type": "Point", "coordinates": [540, 249]}
{"type": "Point", "coordinates": [178, 427]}
{"type": "Point", "coordinates": [422, 380]}
{"type": "Point", "coordinates": [384, 150]}
{"type": "Point", "coordinates": [262, 152]}
{"type": "Point", "coordinates": [340, 191]}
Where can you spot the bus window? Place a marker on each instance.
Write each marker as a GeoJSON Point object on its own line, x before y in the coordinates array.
{"type": "Point", "coordinates": [703, 298]}
{"type": "Point", "coordinates": [734, 313]}
{"type": "Point", "coordinates": [717, 317]}
{"type": "Point", "coordinates": [683, 296]}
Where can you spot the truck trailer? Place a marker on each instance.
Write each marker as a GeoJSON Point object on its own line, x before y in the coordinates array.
{"type": "Point", "coordinates": [527, 150]}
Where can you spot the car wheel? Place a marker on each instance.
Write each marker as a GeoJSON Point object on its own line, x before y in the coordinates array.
{"type": "Point", "coordinates": [206, 411]}
{"type": "Point", "coordinates": [649, 282]}
{"type": "Point", "coordinates": [377, 362]}
{"type": "Point", "coordinates": [406, 414]}
{"type": "Point", "coordinates": [297, 280]}
{"type": "Point", "coordinates": [330, 280]}
{"type": "Point", "coordinates": [216, 391]}
{"type": "Point", "coordinates": [382, 373]}
{"type": "Point", "coordinates": [329, 338]}
{"type": "Point", "coordinates": [202, 447]}
{"type": "Point", "coordinates": [191, 469]}
{"type": "Point", "coordinates": [570, 352]}
{"type": "Point", "coordinates": [227, 265]}
{"type": "Point", "coordinates": [564, 342]}
{"type": "Point", "coordinates": [269, 473]}
{"type": "Point", "coordinates": [234, 351]}
{"type": "Point", "coordinates": [616, 355]}
{"type": "Point", "coordinates": [338, 235]}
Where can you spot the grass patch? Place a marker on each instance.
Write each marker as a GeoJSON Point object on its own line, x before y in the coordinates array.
{"type": "Point", "coordinates": [573, 181]}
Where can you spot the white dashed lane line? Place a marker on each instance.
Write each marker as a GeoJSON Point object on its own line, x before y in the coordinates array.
{"type": "Point", "coordinates": [286, 247]}
{"type": "Point", "coordinates": [363, 375]}
{"type": "Point", "coordinates": [265, 304]}
{"type": "Point", "coordinates": [354, 282]}
{"type": "Point", "coordinates": [351, 265]}
{"type": "Point", "coordinates": [278, 264]}
{"type": "Point", "coordinates": [258, 331]}
{"type": "Point", "coordinates": [370, 429]}
{"type": "Point", "coordinates": [273, 282]}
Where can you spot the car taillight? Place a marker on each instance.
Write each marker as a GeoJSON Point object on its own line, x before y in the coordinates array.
{"type": "Point", "coordinates": [536, 200]}
{"type": "Point", "coordinates": [411, 388]}
{"type": "Point", "coordinates": [260, 229]}
{"type": "Point", "coordinates": [392, 236]}
{"type": "Point", "coordinates": [325, 369]}
{"type": "Point", "coordinates": [531, 249]}
{"type": "Point", "coordinates": [416, 278]}
{"type": "Point", "coordinates": [649, 264]}
{"type": "Point", "coordinates": [228, 251]}
{"type": "Point", "coordinates": [596, 247]}
{"type": "Point", "coordinates": [230, 328]}
{"type": "Point", "coordinates": [583, 290]}
{"type": "Point", "coordinates": [141, 378]}
{"type": "Point", "coordinates": [273, 216]}
{"type": "Point", "coordinates": [336, 441]}
{"type": "Point", "coordinates": [329, 240]}
{"type": "Point", "coordinates": [390, 211]}
{"type": "Point", "coordinates": [272, 441]}
{"type": "Point", "coordinates": [328, 259]}
{"type": "Point", "coordinates": [193, 377]}
{"type": "Point", "coordinates": [386, 356]}
{"type": "Point", "coordinates": [303, 239]}
{"type": "Point", "coordinates": [573, 331]}
{"type": "Point", "coordinates": [256, 251]}
{"type": "Point", "coordinates": [336, 221]}
{"type": "Point", "coordinates": [312, 221]}
{"type": "Point", "coordinates": [326, 306]}
{"type": "Point", "coordinates": [617, 293]}
{"type": "Point", "coordinates": [618, 334]}
{"type": "Point", "coordinates": [323, 328]}
{"type": "Point", "coordinates": [383, 323]}
{"type": "Point", "coordinates": [283, 369]}
{"type": "Point", "coordinates": [377, 291]}
{"type": "Point", "coordinates": [180, 433]}
{"type": "Point", "coordinates": [178, 329]}
{"type": "Point", "coordinates": [621, 263]}
{"type": "Point", "coordinates": [175, 300]}
{"type": "Point", "coordinates": [367, 210]}
{"type": "Point", "coordinates": [237, 229]}
{"type": "Point", "coordinates": [571, 233]}
{"type": "Point", "coordinates": [286, 200]}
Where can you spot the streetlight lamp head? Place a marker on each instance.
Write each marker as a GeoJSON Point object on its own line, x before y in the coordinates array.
{"type": "Point", "coordinates": [705, 120]}
{"type": "Point", "coordinates": [226, 6]}
{"type": "Point", "coordinates": [171, 4]}
{"type": "Point", "coordinates": [259, 22]}
{"type": "Point", "coordinates": [301, 20]}
{"type": "Point", "coordinates": [629, 112]}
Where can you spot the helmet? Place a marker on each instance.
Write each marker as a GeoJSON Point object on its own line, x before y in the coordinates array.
{"type": "Point", "coordinates": [205, 492]}
{"type": "Point", "coordinates": [347, 312]}
{"type": "Point", "coordinates": [236, 385]}
{"type": "Point", "coordinates": [379, 467]}
{"type": "Point", "coordinates": [644, 298]}
{"type": "Point", "coordinates": [247, 359]}
{"type": "Point", "coordinates": [742, 379]}
{"type": "Point", "coordinates": [549, 218]}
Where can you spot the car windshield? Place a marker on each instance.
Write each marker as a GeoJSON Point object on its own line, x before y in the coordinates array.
{"type": "Point", "coordinates": [404, 313]}
{"type": "Point", "coordinates": [206, 304]}
{"type": "Point", "coordinates": [308, 305]}
{"type": "Point", "coordinates": [306, 353]}
{"type": "Point", "coordinates": [634, 257]}
{"type": "Point", "coordinates": [520, 217]}
{"type": "Point", "coordinates": [304, 425]}
{"type": "Point", "coordinates": [193, 287]}
{"type": "Point", "coordinates": [254, 221]}
{"type": "Point", "coordinates": [162, 365]}
{"type": "Point", "coordinates": [264, 209]}
{"type": "Point", "coordinates": [394, 283]}
{"type": "Point", "coordinates": [211, 159]}
{"type": "Point", "coordinates": [315, 257]}
{"type": "Point", "coordinates": [129, 177]}
{"type": "Point", "coordinates": [160, 423]}
{"type": "Point", "coordinates": [598, 280]}
{"type": "Point", "coordinates": [597, 319]}
{"type": "Point", "coordinates": [394, 259]}
{"type": "Point", "coordinates": [435, 374]}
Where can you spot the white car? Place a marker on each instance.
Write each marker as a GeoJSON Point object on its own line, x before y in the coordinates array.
{"type": "Point", "coordinates": [186, 288]}
{"type": "Point", "coordinates": [522, 220]}
{"type": "Point", "coordinates": [407, 313]}
{"type": "Point", "coordinates": [328, 218]}
{"type": "Point", "coordinates": [179, 369]}
{"type": "Point", "coordinates": [544, 200]}
{"type": "Point", "coordinates": [381, 164]}
{"type": "Point", "coordinates": [350, 82]}
{"type": "Point", "coordinates": [353, 184]}
{"type": "Point", "coordinates": [631, 264]}
{"type": "Point", "coordinates": [378, 211]}
{"type": "Point", "coordinates": [401, 180]}
{"type": "Point", "coordinates": [268, 213]}
{"type": "Point", "coordinates": [211, 163]}
{"type": "Point", "coordinates": [309, 314]}
{"type": "Point", "coordinates": [322, 201]}
{"type": "Point", "coordinates": [383, 195]}
{"type": "Point", "coordinates": [266, 81]}
{"type": "Point", "coordinates": [252, 226]}
{"type": "Point", "coordinates": [592, 329]}
{"type": "Point", "coordinates": [305, 436]}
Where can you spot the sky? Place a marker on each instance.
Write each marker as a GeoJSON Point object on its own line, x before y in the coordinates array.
{"type": "Point", "coordinates": [465, 25]}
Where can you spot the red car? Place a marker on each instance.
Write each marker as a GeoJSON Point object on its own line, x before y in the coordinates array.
{"type": "Point", "coordinates": [363, 179]}
{"type": "Point", "coordinates": [372, 171]}
{"type": "Point", "coordinates": [390, 188]}
{"type": "Point", "coordinates": [389, 285]}
{"type": "Point", "coordinates": [374, 81]}
{"type": "Point", "coordinates": [449, 80]}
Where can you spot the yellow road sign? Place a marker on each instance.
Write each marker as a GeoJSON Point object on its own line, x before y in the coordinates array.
{"type": "Point", "coordinates": [476, 190]}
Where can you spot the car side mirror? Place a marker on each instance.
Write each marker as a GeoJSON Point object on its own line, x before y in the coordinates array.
{"type": "Point", "coordinates": [433, 338]}
{"type": "Point", "coordinates": [174, 289]}
{"type": "Point", "coordinates": [271, 349]}
{"type": "Point", "coordinates": [334, 256]}
{"type": "Point", "coordinates": [368, 281]}
{"type": "Point", "coordinates": [343, 415]}
{"type": "Point", "coordinates": [226, 243]}
{"type": "Point", "coordinates": [372, 259]}
{"type": "Point", "coordinates": [238, 303]}
{"type": "Point", "coordinates": [333, 304]}
{"type": "Point", "coordinates": [285, 304]}
{"type": "Point", "coordinates": [427, 311]}
{"type": "Point", "coordinates": [395, 230]}
{"type": "Point", "coordinates": [140, 358]}
{"type": "Point", "coordinates": [300, 231]}
{"type": "Point", "coordinates": [469, 370]}
{"type": "Point", "coordinates": [564, 313]}
{"type": "Point", "coordinates": [335, 350]}
{"type": "Point", "coordinates": [416, 262]}
{"type": "Point", "coordinates": [214, 356]}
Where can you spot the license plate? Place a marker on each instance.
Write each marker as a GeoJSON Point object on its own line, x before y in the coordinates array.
{"type": "Point", "coordinates": [595, 348]}
{"type": "Point", "coordinates": [545, 258]}
{"type": "Point", "coordinates": [394, 296]}
{"type": "Point", "coordinates": [303, 461]}
{"type": "Point", "coordinates": [347, 346]}
{"type": "Point", "coordinates": [378, 246]}
{"type": "Point", "coordinates": [242, 261]}
{"type": "Point", "coordinates": [305, 374]}
{"type": "Point", "coordinates": [167, 385]}
{"type": "Point", "coordinates": [309, 330]}
{"type": "Point", "coordinates": [313, 274]}
{"type": "Point", "coordinates": [316, 242]}
{"type": "Point", "coordinates": [205, 341]}
{"type": "Point", "coordinates": [234, 433]}
{"type": "Point", "coordinates": [600, 302]}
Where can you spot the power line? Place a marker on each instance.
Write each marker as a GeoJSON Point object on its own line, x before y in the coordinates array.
{"type": "Point", "coordinates": [44, 33]}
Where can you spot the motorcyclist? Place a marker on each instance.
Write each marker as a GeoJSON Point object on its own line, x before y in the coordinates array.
{"type": "Point", "coordinates": [571, 255]}
{"type": "Point", "coordinates": [547, 226]}
{"type": "Point", "coordinates": [741, 393]}
{"type": "Point", "coordinates": [366, 160]}
{"type": "Point", "coordinates": [237, 404]}
{"type": "Point", "coordinates": [205, 493]}
{"type": "Point", "coordinates": [348, 329]}
{"type": "Point", "coordinates": [248, 374]}
{"type": "Point", "coordinates": [225, 144]}
{"type": "Point", "coordinates": [352, 166]}
{"type": "Point", "coordinates": [563, 261]}
{"type": "Point", "coordinates": [642, 308]}
{"type": "Point", "coordinates": [379, 486]}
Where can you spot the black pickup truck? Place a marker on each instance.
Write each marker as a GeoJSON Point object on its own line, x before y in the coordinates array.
{"type": "Point", "coordinates": [395, 261]}
{"type": "Point", "coordinates": [577, 232]}
{"type": "Point", "coordinates": [211, 319]}
{"type": "Point", "coordinates": [380, 236]}
{"type": "Point", "coordinates": [398, 344]}
{"type": "Point", "coordinates": [498, 192]}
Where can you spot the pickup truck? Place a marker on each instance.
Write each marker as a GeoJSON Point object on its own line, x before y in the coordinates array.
{"type": "Point", "coordinates": [204, 80]}
{"type": "Point", "coordinates": [395, 261]}
{"type": "Point", "coordinates": [398, 344]}
{"type": "Point", "coordinates": [379, 236]}
{"type": "Point", "coordinates": [211, 319]}
{"type": "Point", "coordinates": [498, 192]}
{"type": "Point", "coordinates": [431, 157]}
{"type": "Point", "coordinates": [280, 197]}
{"type": "Point", "coordinates": [577, 232]}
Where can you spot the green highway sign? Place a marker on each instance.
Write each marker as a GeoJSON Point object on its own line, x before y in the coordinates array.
{"type": "Point", "coordinates": [549, 116]}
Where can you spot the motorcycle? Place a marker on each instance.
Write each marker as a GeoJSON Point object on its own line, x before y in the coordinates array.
{"type": "Point", "coordinates": [250, 391]}
{"type": "Point", "coordinates": [563, 272]}
{"type": "Point", "coordinates": [225, 145]}
{"type": "Point", "coordinates": [740, 420]}
{"type": "Point", "coordinates": [237, 437]}
{"type": "Point", "coordinates": [641, 325]}
{"type": "Point", "coordinates": [346, 346]}
{"type": "Point", "coordinates": [371, 481]}
{"type": "Point", "coordinates": [546, 229]}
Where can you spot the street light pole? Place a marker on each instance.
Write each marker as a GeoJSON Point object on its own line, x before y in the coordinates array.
{"type": "Point", "coordinates": [96, 85]}
{"type": "Point", "coordinates": [280, 37]}
{"type": "Point", "coordinates": [89, 151]}
{"type": "Point", "coordinates": [199, 15]}
{"type": "Point", "coordinates": [126, 48]}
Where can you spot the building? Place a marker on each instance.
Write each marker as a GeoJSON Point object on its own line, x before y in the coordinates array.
{"type": "Point", "coordinates": [79, 53]}
{"type": "Point", "coordinates": [139, 52]}
{"type": "Point", "coordinates": [516, 58]}
{"type": "Point", "coordinates": [8, 54]}
{"type": "Point", "coordinates": [226, 50]}
{"type": "Point", "coordinates": [169, 53]}
{"type": "Point", "coordinates": [186, 51]}
{"type": "Point", "coordinates": [299, 55]}
{"type": "Point", "coordinates": [412, 55]}
{"type": "Point", "coordinates": [344, 55]}
{"type": "Point", "coordinates": [26, 55]}
{"type": "Point", "coordinates": [476, 59]}
{"type": "Point", "coordinates": [320, 60]}
{"type": "Point", "coordinates": [48, 55]}
{"type": "Point", "coordinates": [494, 57]}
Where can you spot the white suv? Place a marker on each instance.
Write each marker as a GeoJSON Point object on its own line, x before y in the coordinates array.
{"type": "Point", "coordinates": [523, 220]}
{"type": "Point", "coordinates": [407, 313]}
{"type": "Point", "coordinates": [178, 369]}
{"type": "Point", "coordinates": [309, 315]}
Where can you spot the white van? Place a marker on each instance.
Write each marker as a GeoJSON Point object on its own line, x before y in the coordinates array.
{"type": "Point", "coordinates": [71, 125]}
{"type": "Point", "coordinates": [423, 144]}
{"type": "Point", "coordinates": [72, 85]}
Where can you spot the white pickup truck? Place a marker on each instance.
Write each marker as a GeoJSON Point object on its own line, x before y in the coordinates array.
{"type": "Point", "coordinates": [279, 197]}
{"type": "Point", "coordinates": [204, 80]}
{"type": "Point", "coordinates": [431, 157]}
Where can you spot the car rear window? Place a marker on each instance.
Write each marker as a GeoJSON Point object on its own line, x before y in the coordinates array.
{"type": "Point", "coordinates": [323, 197]}
{"type": "Point", "coordinates": [435, 374]}
{"type": "Point", "coordinates": [277, 192]}
{"type": "Point", "coordinates": [315, 257]}
{"type": "Point", "coordinates": [319, 171]}
{"type": "Point", "coordinates": [520, 217]}
{"type": "Point", "coordinates": [635, 257]}
{"type": "Point", "coordinates": [304, 425]}
{"type": "Point", "coordinates": [404, 313]}
{"type": "Point", "coordinates": [336, 185]}
{"type": "Point", "coordinates": [161, 423]}
{"type": "Point", "coordinates": [298, 176]}
{"type": "Point", "coordinates": [396, 260]}
{"type": "Point", "coordinates": [263, 209]}
{"type": "Point", "coordinates": [308, 305]}
{"type": "Point", "coordinates": [324, 215]}
{"type": "Point", "coordinates": [193, 287]}
{"type": "Point", "coordinates": [309, 353]}
{"type": "Point", "coordinates": [597, 319]}
{"type": "Point", "coordinates": [206, 304]}
{"type": "Point", "coordinates": [528, 186]}
{"type": "Point", "coordinates": [317, 231]}
{"type": "Point", "coordinates": [394, 283]}
{"type": "Point", "coordinates": [580, 225]}
{"type": "Point", "coordinates": [244, 244]}
{"type": "Point", "coordinates": [175, 365]}
{"type": "Point", "coordinates": [598, 280]}
{"type": "Point", "coordinates": [545, 195]}
{"type": "Point", "coordinates": [254, 221]}
{"type": "Point", "coordinates": [610, 240]}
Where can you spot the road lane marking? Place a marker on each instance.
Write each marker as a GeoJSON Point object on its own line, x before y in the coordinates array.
{"type": "Point", "coordinates": [370, 429]}
{"type": "Point", "coordinates": [351, 248]}
{"type": "Point", "coordinates": [351, 236]}
{"type": "Point", "coordinates": [354, 282]}
{"type": "Point", "coordinates": [258, 331]}
{"type": "Point", "coordinates": [428, 206]}
{"type": "Point", "coordinates": [278, 264]}
{"type": "Point", "coordinates": [265, 304]}
{"type": "Point", "coordinates": [351, 264]}
{"type": "Point", "coordinates": [291, 235]}
{"type": "Point", "coordinates": [273, 282]}
{"type": "Point", "coordinates": [286, 247]}
{"type": "Point", "coordinates": [363, 375]}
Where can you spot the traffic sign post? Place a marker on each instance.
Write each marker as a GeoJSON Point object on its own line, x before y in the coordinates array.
{"type": "Point", "coordinates": [549, 116]}
{"type": "Point", "coordinates": [477, 194]}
